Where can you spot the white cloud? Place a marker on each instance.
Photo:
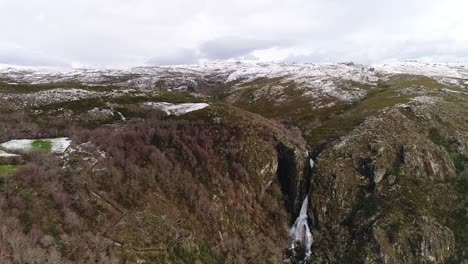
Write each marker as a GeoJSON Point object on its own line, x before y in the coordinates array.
{"type": "Point", "coordinates": [127, 33]}
{"type": "Point", "coordinates": [174, 57]}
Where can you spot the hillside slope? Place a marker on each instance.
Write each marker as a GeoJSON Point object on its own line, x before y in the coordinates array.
{"type": "Point", "coordinates": [211, 163]}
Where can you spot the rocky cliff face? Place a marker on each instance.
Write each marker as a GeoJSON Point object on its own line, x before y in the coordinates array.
{"type": "Point", "coordinates": [292, 173]}
{"type": "Point", "coordinates": [387, 193]}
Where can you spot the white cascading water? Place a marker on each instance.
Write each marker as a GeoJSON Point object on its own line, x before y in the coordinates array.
{"type": "Point", "coordinates": [300, 232]}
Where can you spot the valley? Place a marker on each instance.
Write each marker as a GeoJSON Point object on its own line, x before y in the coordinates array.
{"type": "Point", "coordinates": [235, 162]}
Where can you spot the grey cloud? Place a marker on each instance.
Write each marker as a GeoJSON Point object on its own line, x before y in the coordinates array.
{"type": "Point", "coordinates": [376, 53]}
{"type": "Point", "coordinates": [217, 49]}
{"type": "Point", "coordinates": [232, 47]}
{"type": "Point", "coordinates": [182, 56]}
{"type": "Point", "coordinates": [26, 58]}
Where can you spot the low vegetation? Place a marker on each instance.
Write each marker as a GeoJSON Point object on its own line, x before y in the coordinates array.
{"type": "Point", "coordinates": [6, 170]}
{"type": "Point", "coordinates": [219, 185]}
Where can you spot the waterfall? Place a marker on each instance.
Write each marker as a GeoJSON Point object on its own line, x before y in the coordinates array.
{"type": "Point", "coordinates": [300, 234]}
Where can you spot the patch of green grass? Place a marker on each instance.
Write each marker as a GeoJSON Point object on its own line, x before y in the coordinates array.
{"type": "Point", "coordinates": [7, 169]}
{"type": "Point", "coordinates": [406, 80]}
{"type": "Point", "coordinates": [41, 144]}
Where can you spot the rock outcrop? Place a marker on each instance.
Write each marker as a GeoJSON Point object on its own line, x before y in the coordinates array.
{"type": "Point", "coordinates": [386, 197]}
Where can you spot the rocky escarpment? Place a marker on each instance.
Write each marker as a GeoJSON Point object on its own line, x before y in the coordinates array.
{"type": "Point", "coordinates": [388, 192]}
{"type": "Point", "coordinates": [293, 176]}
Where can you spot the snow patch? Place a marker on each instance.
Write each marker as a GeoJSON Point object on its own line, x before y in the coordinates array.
{"type": "Point", "coordinates": [177, 109]}
{"type": "Point", "coordinates": [425, 99]}
{"type": "Point", "coordinates": [402, 106]}
{"type": "Point", "coordinates": [4, 154]}
{"type": "Point", "coordinates": [451, 91]}
{"type": "Point", "coordinates": [121, 116]}
{"type": "Point", "coordinates": [59, 145]}
{"type": "Point", "coordinates": [447, 70]}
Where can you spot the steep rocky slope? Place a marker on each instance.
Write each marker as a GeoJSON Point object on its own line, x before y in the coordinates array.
{"type": "Point", "coordinates": [381, 153]}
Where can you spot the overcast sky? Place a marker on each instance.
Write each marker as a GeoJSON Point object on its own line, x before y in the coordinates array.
{"type": "Point", "coordinates": [118, 33]}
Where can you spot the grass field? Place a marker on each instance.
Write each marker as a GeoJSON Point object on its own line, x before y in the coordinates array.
{"type": "Point", "coordinates": [6, 169]}
{"type": "Point", "coordinates": [42, 144]}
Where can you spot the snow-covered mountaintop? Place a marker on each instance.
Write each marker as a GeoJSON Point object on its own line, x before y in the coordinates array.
{"type": "Point", "coordinates": [235, 71]}
{"type": "Point", "coordinates": [448, 70]}
{"type": "Point", "coordinates": [343, 81]}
